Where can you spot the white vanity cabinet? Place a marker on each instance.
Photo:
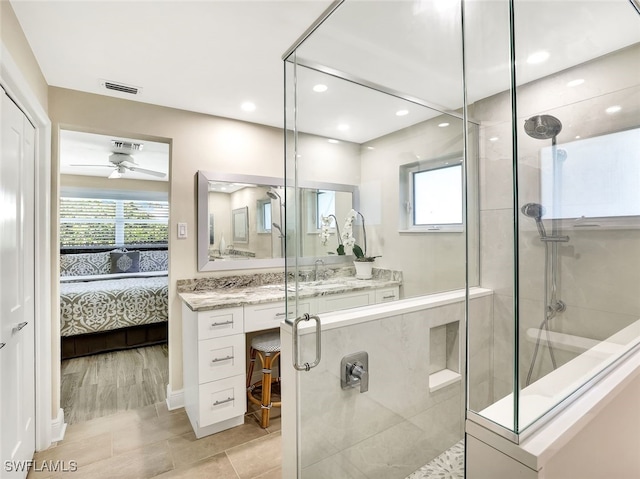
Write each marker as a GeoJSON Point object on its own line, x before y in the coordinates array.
{"type": "Point", "coordinates": [214, 351]}
{"type": "Point", "coordinates": [214, 366]}
{"type": "Point", "coordinates": [336, 302]}
{"type": "Point", "coordinates": [258, 317]}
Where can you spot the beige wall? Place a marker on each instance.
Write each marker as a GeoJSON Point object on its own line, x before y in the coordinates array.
{"type": "Point", "coordinates": [16, 43]}
{"type": "Point", "coordinates": [102, 183]}
{"type": "Point", "coordinates": [196, 142]}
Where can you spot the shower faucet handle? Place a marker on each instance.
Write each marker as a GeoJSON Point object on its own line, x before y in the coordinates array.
{"type": "Point", "coordinates": [354, 371]}
{"type": "Point", "coordinates": [358, 371]}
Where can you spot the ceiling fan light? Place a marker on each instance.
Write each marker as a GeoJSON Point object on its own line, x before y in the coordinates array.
{"type": "Point", "coordinates": [115, 174]}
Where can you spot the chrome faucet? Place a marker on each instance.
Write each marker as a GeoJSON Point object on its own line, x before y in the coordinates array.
{"type": "Point", "coordinates": [318, 261]}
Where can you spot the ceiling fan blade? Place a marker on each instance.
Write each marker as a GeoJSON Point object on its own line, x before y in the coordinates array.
{"type": "Point", "coordinates": [159, 174]}
{"type": "Point", "coordinates": [99, 166]}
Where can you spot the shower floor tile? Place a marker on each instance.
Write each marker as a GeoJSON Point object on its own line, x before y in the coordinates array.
{"type": "Point", "coordinates": [448, 465]}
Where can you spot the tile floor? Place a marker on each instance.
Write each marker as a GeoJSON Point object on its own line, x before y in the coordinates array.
{"type": "Point", "coordinates": [155, 442]}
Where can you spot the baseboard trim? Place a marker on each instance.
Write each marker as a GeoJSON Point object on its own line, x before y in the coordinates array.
{"type": "Point", "coordinates": [58, 427]}
{"type": "Point", "coordinates": [175, 399]}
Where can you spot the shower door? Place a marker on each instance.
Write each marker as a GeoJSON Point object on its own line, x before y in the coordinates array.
{"type": "Point", "coordinates": [377, 115]}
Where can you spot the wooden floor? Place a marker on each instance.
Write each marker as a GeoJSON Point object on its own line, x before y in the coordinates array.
{"type": "Point", "coordinates": [152, 442]}
{"type": "Point", "coordinates": [104, 384]}
{"type": "Point", "coordinates": [111, 434]}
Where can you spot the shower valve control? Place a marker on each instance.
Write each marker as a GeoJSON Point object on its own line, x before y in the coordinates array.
{"type": "Point", "coordinates": [354, 371]}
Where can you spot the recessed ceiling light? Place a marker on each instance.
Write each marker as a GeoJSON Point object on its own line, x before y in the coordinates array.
{"type": "Point", "coordinates": [576, 82]}
{"type": "Point", "coordinates": [614, 109]}
{"type": "Point", "coordinates": [538, 57]}
{"type": "Point", "coordinates": [248, 106]}
{"type": "Point", "coordinates": [370, 148]}
{"type": "Point", "coordinates": [343, 127]}
{"type": "Point", "coordinates": [319, 88]}
{"type": "Point", "coordinates": [578, 137]}
{"type": "Point", "coordinates": [443, 125]}
{"type": "Point", "coordinates": [402, 112]}
{"type": "Point", "coordinates": [494, 138]}
{"type": "Point", "coordinates": [333, 141]}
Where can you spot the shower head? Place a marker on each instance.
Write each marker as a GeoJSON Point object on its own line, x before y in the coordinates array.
{"type": "Point", "coordinates": [535, 211]}
{"type": "Point", "coordinates": [542, 127]}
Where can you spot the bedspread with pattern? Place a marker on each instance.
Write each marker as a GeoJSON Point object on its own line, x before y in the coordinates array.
{"type": "Point", "coordinates": [104, 305]}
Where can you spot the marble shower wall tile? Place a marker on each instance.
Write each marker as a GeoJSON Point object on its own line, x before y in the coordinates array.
{"type": "Point", "coordinates": [479, 373]}
{"type": "Point", "coordinates": [344, 430]}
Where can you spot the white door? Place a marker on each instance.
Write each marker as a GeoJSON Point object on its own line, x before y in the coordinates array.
{"type": "Point", "coordinates": [17, 313]}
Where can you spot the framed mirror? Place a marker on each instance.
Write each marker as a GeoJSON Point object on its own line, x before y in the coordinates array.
{"type": "Point", "coordinates": [248, 213]}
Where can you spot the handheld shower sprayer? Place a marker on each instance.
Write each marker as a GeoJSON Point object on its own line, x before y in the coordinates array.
{"type": "Point", "coordinates": [535, 211]}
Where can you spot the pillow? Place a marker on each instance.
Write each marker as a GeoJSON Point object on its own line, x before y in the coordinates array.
{"type": "Point", "coordinates": [82, 264]}
{"type": "Point", "coordinates": [157, 260]}
{"type": "Point", "coordinates": [122, 262]}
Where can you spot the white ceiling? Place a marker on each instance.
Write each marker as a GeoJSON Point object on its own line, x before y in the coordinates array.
{"type": "Point", "coordinates": [202, 56]}
{"type": "Point", "coordinates": [211, 56]}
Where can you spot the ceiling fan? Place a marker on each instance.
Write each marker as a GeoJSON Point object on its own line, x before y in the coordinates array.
{"type": "Point", "coordinates": [121, 162]}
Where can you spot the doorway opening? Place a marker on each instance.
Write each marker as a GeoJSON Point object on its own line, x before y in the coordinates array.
{"type": "Point", "coordinates": [113, 244]}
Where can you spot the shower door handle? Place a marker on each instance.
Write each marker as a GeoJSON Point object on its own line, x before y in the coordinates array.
{"type": "Point", "coordinates": [296, 362]}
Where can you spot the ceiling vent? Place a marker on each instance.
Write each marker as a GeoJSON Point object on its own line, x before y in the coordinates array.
{"type": "Point", "coordinates": [126, 145]}
{"type": "Point", "coordinates": [121, 87]}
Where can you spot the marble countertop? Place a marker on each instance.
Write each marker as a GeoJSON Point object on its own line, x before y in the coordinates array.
{"type": "Point", "coordinates": [203, 300]}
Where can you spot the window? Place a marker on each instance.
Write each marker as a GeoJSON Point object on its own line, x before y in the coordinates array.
{"type": "Point", "coordinates": [431, 196]}
{"type": "Point", "coordinates": [325, 205]}
{"type": "Point", "coordinates": [111, 222]}
{"type": "Point", "coordinates": [264, 216]}
{"type": "Point", "coordinates": [593, 182]}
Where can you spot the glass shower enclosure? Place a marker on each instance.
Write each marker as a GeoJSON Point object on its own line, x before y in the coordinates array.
{"type": "Point", "coordinates": [495, 178]}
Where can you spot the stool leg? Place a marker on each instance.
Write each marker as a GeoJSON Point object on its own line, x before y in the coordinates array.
{"type": "Point", "coordinates": [252, 362]}
{"type": "Point", "coordinates": [266, 391]}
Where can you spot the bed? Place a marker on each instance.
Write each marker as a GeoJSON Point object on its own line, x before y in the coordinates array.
{"type": "Point", "coordinates": [112, 300]}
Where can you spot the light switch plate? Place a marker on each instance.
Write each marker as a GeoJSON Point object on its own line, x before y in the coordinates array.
{"type": "Point", "coordinates": [182, 230]}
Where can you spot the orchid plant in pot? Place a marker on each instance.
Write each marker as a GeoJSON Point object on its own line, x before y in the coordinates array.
{"type": "Point", "coordinates": [325, 233]}
{"type": "Point", "coordinates": [362, 262]}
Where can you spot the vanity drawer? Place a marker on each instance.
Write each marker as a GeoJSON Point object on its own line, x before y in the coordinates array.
{"type": "Point", "coordinates": [335, 302]}
{"type": "Point", "coordinates": [220, 322]}
{"type": "Point", "coordinates": [269, 315]}
{"type": "Point", "coordinates": [220, 358]}
{"type": "Point", "coordinates": [387, 294]}
{"type": "Point", "coordinates": [222, 400]}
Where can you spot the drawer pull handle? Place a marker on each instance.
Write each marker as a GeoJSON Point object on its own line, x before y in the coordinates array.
{"type": "Point", "coordinates": [283, 314]}
{"type": "Point", "coordinates": [21, 325]}
{"type": "Point", "coordinates": [391, 296]}
{"type": "Point", "coordinates": [217, 403]}
{"type": "Point", "coordinates": [217, 360]}
{"type": "Point", "coordinates": [2, 345]}
{"type": "Point", "coordinates": [222, 323]}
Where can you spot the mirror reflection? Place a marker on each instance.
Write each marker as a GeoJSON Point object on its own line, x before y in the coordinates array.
{"type": "Point", "coordinates": [241, 220]}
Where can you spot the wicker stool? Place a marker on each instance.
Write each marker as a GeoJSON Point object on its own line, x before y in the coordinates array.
{"type": "Point", "coordinates": [267, 348]}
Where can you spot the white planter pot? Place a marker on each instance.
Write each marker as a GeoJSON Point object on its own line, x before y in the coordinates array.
{"type": "Point", "coordinates": [363, 269]}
